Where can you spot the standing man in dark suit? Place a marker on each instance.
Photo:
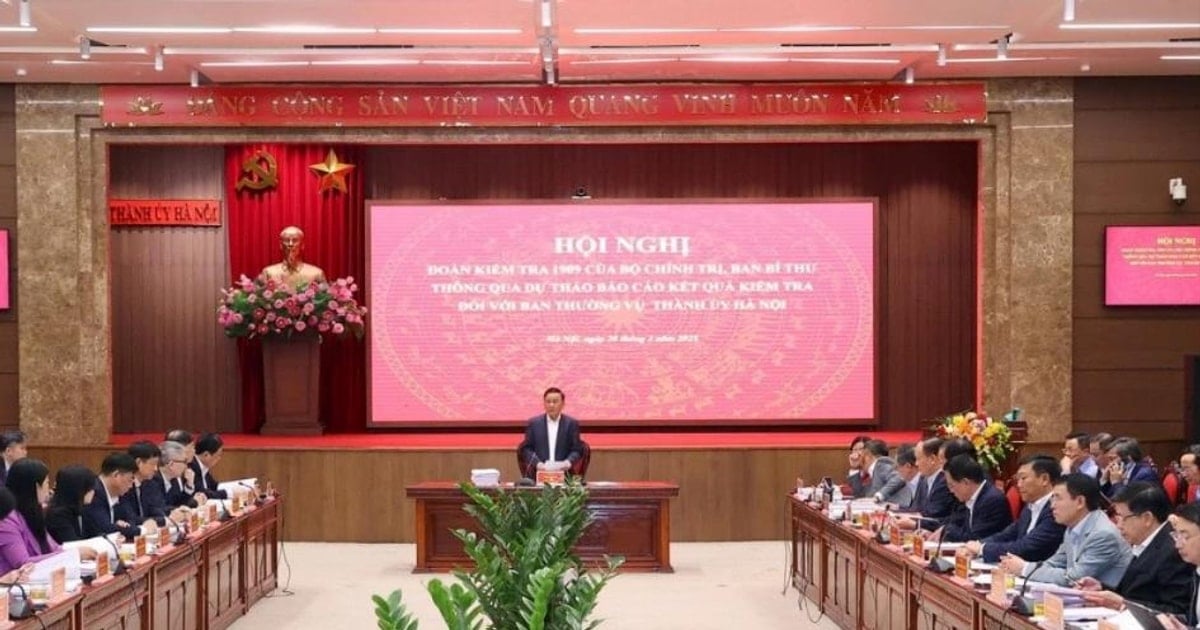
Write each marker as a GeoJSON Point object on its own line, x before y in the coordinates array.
{"type": "Point", "coordinates": [209, 448]}
{"type": "Point", "coordinates": [982, 509]}
{"type": "Point", "coordinates": [1157, 577]}
{"type": "Point", "coordinates": [551, 439]}
{"type": "Point", "coordinates": [1036, 535]}
{"type": "Point", "coordinates": [12, 443]}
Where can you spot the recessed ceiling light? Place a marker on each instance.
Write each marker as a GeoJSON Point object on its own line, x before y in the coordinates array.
{"type": "Point", "coordinates": [843, 60]}
{"type": "Point", "coordinates": [364, 62]}
{"type": "Point", "coordinates": [1097, 26]}
{"type": "Point", "coordinates": [641, 31]}
{"type": "Point", "coordinates": [1180, 57]}
{"type": "Point", "coordinates": [471, 62]}
{"type": "Point", "coordinates": [18, 29]}
{"type": "Point", "coordinates": [592, 62]}
{"type": "Point", "coordinates": [995, 59]}
{"type": "Point", "coordinates": [452, 31]}
{"type": "Point", "coordinates": [737, 59]}
{"type": "Point", "coordinates": [251, 64]}
{"type": "Point", "coordinates": [22, 72]}
{"type": "Point", "coordinates": [164, 30]}
{"type": "Point", "coordinates": [304, 29]}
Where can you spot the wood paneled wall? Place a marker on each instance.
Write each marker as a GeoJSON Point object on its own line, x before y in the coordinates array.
{"type": "Point", "coordinates": [1131, 136]}
{"type": "Point", "coordinates": [358, 496]}
{"type": "Point", "coordinates": [172, 366]}
{"type": "Point", "coordinates": [927, 202]}
{"type": "Point", "coordinates": [9, 391]}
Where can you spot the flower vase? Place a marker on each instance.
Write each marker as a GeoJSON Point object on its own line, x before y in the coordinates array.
{"type": "Point", "coordinates": [291, 385]}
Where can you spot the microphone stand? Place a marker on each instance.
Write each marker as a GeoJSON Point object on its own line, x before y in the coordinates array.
{"type": "Point", "coordinates": [1022, 605]}
{"type": "Point", "coordinates": [937, 563]}
{"type": "Point", "coordinates": [120, 568]}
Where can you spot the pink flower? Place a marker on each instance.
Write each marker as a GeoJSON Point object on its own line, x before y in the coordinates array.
{"type": "Point", "coordinates": [267, 294]}
{"type": "Point", "coordinates": [323, 327]}
{"type": "Point", "coordinates": [300, 325]}
{"type": "Point", "coordinates": [338, 329]}
{"type": "Point", "coordinates": [270, 317]}
{"type": "Point", "coordinates": [312, 320]}
{"type": "Point", "coordinates": [252, 298]}
{"type": "Point", "coordinates": [259, 314]}
{"type": "Point", "coordinates": [278, 303]}
{"type": "Point", "coordinates": [262, 329]}
{"type": "Point", "coordinates": [281, 323]}
{"type": "Point", "coordinates": [309, 308]}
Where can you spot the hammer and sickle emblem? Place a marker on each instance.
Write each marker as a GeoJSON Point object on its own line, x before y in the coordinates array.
{"type": "Point", "coordinates": [940, 104]}
{"type": "Point", "coordinates": [261, 172]}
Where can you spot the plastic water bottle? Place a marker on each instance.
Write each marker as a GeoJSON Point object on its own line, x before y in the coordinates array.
{"type": "Point", "coordinates": [837, 492]}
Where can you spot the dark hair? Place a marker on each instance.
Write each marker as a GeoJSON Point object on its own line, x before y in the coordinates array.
{"type": "Point", "coordinates": [554, 390]}
{"type": "Point", "coordinates": [1189, 512]}
{"type": "Point", "coordinates": [1081, 485]}
{"type": "Point", "coordinates": [878, 448]}
{"type": "Point", "coordinates": [1128, 447]}
{"type": "Point", "coordinates": [1103, 440]}
{"type": "Point", "coordinates": [1142, 497]}
{"type": "Point", "coordinates": [906, 455]}
{"type": "Point", "coordinates": [1044, 465]}
{"type": "Point", "coordinates": [179, 435]}
{"type": "Point", "coordinates": [71, 484]}
{"type": "Point", "coordinates": [118, 462]}
{"type": "Point", "coordinates": [1193, 450]}
{"type": "Point", "coordinates": [209, 443]}
{"type": "Point", "coordinates": [958, 446]}
{"type": "Point", "coordinates": [930, 446]}
{"type": "Point", "coordinates": [23, 479]}
{"type": "Point", "coordinates": [8, 502]}
{"type": "Point", "coordinates": [144, 450]}
{"type": "Point", "coordinates": [964, 467]}
{"type": "Point", "coordinates": [1082, 439]}
{"type": "Point", "coordinates": [8, 438]}
{"type": "Point", "coordinates": [859, 439]}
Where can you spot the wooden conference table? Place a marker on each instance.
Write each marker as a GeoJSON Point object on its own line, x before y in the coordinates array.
{"type": "Point", "coordinates": [204, 584]}
{"type": "Point", "coordinates": [860, 583]}
{"type": "Point", "coordinates": [630, 519]}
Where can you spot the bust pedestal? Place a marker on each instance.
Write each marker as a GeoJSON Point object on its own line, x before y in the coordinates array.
{"type": "Point", "coordinates": [291, 385]}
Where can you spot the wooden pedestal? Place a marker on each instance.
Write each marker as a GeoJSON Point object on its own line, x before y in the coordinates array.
{"type": "Point", "coordinates": [291, 386]}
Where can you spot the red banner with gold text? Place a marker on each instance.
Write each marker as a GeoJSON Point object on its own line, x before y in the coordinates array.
{"type": "Point", "coordinates": [537, 106]}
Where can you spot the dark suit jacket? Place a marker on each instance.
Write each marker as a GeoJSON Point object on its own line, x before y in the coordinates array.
{"type": "Point", "coordinates": [64, 524]}
{"type": "Point", "coordinates": [1034, 546]}
{"type": "Point", "coordinates": [1158, 578]}
{"type": "Point", "coordinates": [177, 496]}
{"type": "Point", "coordinates": [939, 505]}
{"type": "Point", "coordinates": [1141, 472]}
{"type": "Point", "coordinates": [536, 445]}
{"type": "Point", "coordinates": [206, 483]}
{"type": "Point", "coordinates": [989, 516]}
{"type": "Point", "coordinates": [148, 500]}
{"type": "Point", "coordinates": [98, 522]}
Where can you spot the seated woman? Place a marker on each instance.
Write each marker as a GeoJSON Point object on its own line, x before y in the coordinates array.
{"type": "Point", "coordinates": [74, 486]}
{"type": "Point", "coordinates": [23, 536]}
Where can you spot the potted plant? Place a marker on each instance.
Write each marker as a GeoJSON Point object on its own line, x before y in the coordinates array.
{"type": "Point", "coordinates": [526, 575]}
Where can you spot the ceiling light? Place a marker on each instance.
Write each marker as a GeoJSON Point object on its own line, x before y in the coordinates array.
{"type": "Point", "coordinates": [843, 60]}
{"type": "Point", "coordinates": [592, 62]}
{"type": "Point", "coordinates": [908, 76]}
{"type": "Point", "coordinates": [80, 62]}
{"type": "Point", "coordinates": [941, 58]}
{"type": "Point", "coordinates": [452, 31]}
{"type": "Point", "coordinates": [364, 62]}
{"type": "Point", "coordinates": [1095, 26]}
{"type": "Point", "coordinates": [194, 78]}
{"type": "Point", "coordinates": [158, 59]}
{"type": "Point", "coordinates": [68, 50]}
{"type": "Point", "coordinates": [25, 18]}
{"type": "Point", "coordinates": [18, 29]}
{"type": "Point", "coordinates": [1180, 57]}
{"type": "Point", "coordinates": [941, 27]}
{"type": "Point", "coordinates": [471, 62]}
{"type": "Point", "coordinates": [162, 30]}
{"type": "Point", "coordinates": [1085, 67]}
{"type": "Point", "coordinates": [641, 31]}
{"type": "Point", "coordinates": [547, 15]}
{"type": "Point", "coordinates": [85, 48]}
{"type": "Point", "coordinates": [995, 59]}
{"type": "Point", "coordinates": [1039, 46]}
{"type": "Point", "coordinates": [304, 29]}
{"type": "Point", "coordinates": [22, 72]}
{"type": "Point", "coordinates": [737, 59]}
{"type": "Point", "coordinates": [251, 64]}
{"type": "Point", "coordinates": [791, 29]}
{"type": "Point", "coordinates": [1002, 48]}
{"type": "Point", "coordinates": [1068, 10]}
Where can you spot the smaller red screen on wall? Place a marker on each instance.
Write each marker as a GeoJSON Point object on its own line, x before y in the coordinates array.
{"type": "Point", "coordinates": [1152, 265]}
{"type": "Point", "coordinates": [4, 266]}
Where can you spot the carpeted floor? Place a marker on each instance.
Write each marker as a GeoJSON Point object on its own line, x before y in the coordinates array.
{"type": "Point", "coordinates": [715, 586]}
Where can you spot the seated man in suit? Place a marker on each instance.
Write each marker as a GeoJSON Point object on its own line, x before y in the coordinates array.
{"type": "Point", "coordinates": [169, 477]}
{"type": "Point", "coordinates": [1157, 577]}
{"type": "Point", "coordinates": [933, 499]}
{"type": "Point", "coordinates": [209, 449]}
{"type": "Point", "coordinates": [982, 509]}
{"type": "Point", "coordinates": [106, 514]}
{"type": "Point", "coordinates": [12, 449]}
{"type": "Point", "coordinates": [551, 439]}
{"type": "Point", "coordinates": [901, 496]}
{"type": "Point", "coordinates": [159, 499]}
{"type": "Point", "coordinates": [1189, 471]}
{"type": "Point", "coordinates": [877, 473]}
{"type": "Point", "coordinates": [1077, 455]}
{"type": "Point", "coordinates": [187, 481]}
{"type": "Point", "coordinates": [855, 458]}
{"type": "Point", "coordinates": [1035, 535]}
{"type": "Point", "coordinates": [1091, 547]}
{"type": "Point", "coordinates": [148, 497]}
{"type": "Point", "coordinates": [1126, 465]}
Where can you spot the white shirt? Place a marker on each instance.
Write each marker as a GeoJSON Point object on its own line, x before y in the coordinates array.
{"type": "Point", "coordinates": [552, 434]}
{"type": "Point", "coordinates": [112, 502]}
{"type": "Point", "coordinates": [971, 504]}
{"type": "Point", "coordinates": [1035, 511]}
{"type": "Point", "coordinates": [200, 482]}
{"type": "Point", "coordinates": [1138, 549]}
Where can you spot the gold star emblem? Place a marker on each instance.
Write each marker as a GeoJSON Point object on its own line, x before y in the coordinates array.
{"type": "Point", "coordinates": [332, 173]}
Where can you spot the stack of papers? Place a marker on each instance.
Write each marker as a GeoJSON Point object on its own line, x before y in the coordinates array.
{"type": "Point", "coordinates": [485, 477]}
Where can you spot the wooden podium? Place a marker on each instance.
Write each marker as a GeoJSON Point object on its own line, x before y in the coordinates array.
{"type": "Point", "coordinates": [291, 385]}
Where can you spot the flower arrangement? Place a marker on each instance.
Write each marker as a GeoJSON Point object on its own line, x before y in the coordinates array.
{"type": "Point", "coordinates": [992, 438]}
{"type": "Point", "coordinates": [256, 308]}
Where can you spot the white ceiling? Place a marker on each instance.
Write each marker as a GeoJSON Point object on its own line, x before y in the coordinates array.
{"type": "Point", "coordinates": [459, 41]}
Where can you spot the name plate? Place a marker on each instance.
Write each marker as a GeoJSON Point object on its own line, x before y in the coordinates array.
{"type": "Point", "coordinates": [235, 504]}
{"type": "Point", "coordinates": [139, 546]}
{"type": "Point", "coordinates": [1054, 612]}
{"type": "Point", "coordinates": [895, 536]}
{"type": "Point", "coordinates": [102, 568]}
{"type": "Point", "coordinates": [552, 477]}
{"type": "Point", "coordinates": [58, 583]}
{"type": "Point", "coordinates": [164, 538]}
{"type": "Point", "coordinates": [211, 517]}
{"type": "Point", "coordinates": [962, 566]}
{"type": "Point", "coordinates": [919, 546]}
{"type": "Point", "coordinates": [999, 592]}
{"type": "Point", "coordinates": [196, 522]}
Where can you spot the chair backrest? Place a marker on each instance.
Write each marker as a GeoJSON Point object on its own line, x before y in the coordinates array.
{"type": "Point", "coordinates": [1014, 501]}
{"type": "Point", "coordinates": [580, 467]}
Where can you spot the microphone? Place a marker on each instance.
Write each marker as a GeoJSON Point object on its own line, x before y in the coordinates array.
{"type": "Point", "coordinates": [120, 568]}
{"type": "Point", "coordinates": [180, 530]}
{"type": "Point", "coordinates": [526, 482]}
{"type": "Point", "coordinates": [258, 498]}
{"type": "Point", "coordinates": [882, 535]}
{"type": "Point", "coordinates": [937, 563]}
{"type": "Point", "coordinates": [25, 609]}
{"type": "Point", "coordinates": [1024, 605]}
